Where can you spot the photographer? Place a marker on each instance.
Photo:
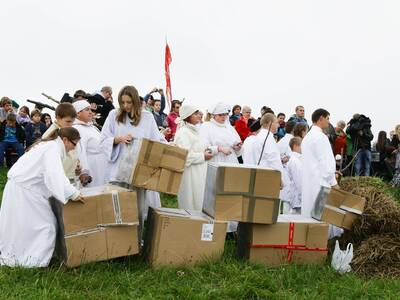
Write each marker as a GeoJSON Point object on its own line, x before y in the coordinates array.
{"type": "Point", "coordinates": [156, 107]}
{"type": "Point", "coordinates": [359, 128]}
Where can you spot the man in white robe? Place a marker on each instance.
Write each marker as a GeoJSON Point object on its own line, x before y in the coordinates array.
{"type": "Point", "coordinates": [27, 223]}
{"type": "Point", "coordinates": [319, 162]}
{"type": "Point", "coordinates": [90, 154]}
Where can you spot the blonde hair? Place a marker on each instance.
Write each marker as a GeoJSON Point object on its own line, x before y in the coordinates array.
{"type": "Point", "coordinates": [136, 110]}
{"type": "Point", "coordinates": [397, 130]}
{"type": "Point", "coordinates": [267, 119]}
{"type": "Point", "coordinates": [341, 124]}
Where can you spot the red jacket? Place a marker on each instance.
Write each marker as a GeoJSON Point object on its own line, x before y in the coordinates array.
{"type": "Point", "coordinates": [340, 142]}
{"type": "Point", "coordinates": [242, 129]}
{"type": "Point", "coordinates": [171, 124]}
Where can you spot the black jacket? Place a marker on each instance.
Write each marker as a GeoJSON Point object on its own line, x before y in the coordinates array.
{"type": "Point", "coordinates": [20, 134]}
{"type": "Point", "coordinates": [103, 107]}
{"type": "Point", "coordinates": [360, 131]}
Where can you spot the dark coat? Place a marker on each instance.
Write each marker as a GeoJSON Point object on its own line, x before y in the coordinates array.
{"type": "Point", "coordinates": [20, 134]}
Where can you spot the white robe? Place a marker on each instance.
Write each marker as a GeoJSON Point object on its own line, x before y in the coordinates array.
{"type": "Point", "coordinates": [191, 192]}
{"type": "Point", "coordinates": [224, 135]}
{"type": "Point", "coordinates": [90, 154]}
{"type": "Point", "coordinates": [147, 128]}
{"type": "Point", "coordinates": [248, 148]}
{"type": "Point", "coordinates": [27, 223]}
{"type": "Point", "coordinates": [283, 145]}
{"type": "Point", "coordinates": [284, 149]}
{"type": "Point", "coordinates": [320, 168]}
{"type": "Point", "coordinates": [294, 169]}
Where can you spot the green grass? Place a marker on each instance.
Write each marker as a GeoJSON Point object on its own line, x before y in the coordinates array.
{"type": "Point", "coordinates": [229, 278]}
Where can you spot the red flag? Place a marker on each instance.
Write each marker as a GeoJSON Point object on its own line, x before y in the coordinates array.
{"type": "Point", "coordinates": [168, 60]}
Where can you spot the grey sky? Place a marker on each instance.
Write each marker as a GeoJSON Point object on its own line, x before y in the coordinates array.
{"type": "Point", "coordinates": [340, 55]}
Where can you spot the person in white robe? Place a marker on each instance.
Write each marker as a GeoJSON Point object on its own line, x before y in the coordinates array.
{"type": "Point", "coordinates": [90, 154]}
{"type": "Point", "coordinates": [294, 170]}
{"type": "Point", "coordinates": [248, 145]}
{"type": "Point", "coordinates": [191, 192]}
{"type": "Point", "coordinates": [222, 140]}
{"type": "Point", "coordinates": [283, 144]}
{"type": "Point", "coordinates": [122, 125]}
{"type": "Point", "coordinates": [27, 223]}
{"type": "Point", "coordinates": [320, 164]}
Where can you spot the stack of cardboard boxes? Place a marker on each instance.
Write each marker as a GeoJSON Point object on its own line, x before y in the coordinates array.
{"type": "Point", "coordinates": [105, 226]}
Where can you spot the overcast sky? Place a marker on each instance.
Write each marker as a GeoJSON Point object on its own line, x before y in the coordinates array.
{"type": "Point", "coordinates": [339, 55]}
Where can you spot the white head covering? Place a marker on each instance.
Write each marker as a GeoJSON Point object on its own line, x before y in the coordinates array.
{"type": "Point", "coordinates": [80, 105]}
{"type": "Point", "coordinates": [219, 108]}
{"type": "Point", "coordinates": [187, 110]}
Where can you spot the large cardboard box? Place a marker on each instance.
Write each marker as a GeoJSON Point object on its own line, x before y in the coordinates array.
{"type": "Point", "coordinates": [242, 193]}
{"type": "Point", "coordinates": [101, 243]}
{"type": "Point", "coordinates": [152, 165]}
{"type": "Point", "coordinates": [108, 204]}
{"type": "Point", "coordinates": [293, 239]}
{"type": "Point", "coordinates": [176, 237]}
{"type": "Point", "coordinates": [338, 207]}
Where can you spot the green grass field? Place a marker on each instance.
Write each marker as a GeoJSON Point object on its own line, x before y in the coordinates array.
{"type": "Point", "coordinates": [230, 278]}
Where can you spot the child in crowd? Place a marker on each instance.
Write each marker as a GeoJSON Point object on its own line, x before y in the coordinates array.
{"type": "Point", "coordinates": [23, 116]}
{"type": "Point", "coordinates": [11, 135]}
{"type": "Point", "coordinates": [294, 167]}
{"type": "Point", "coordinates": [46, 120]}
{"type": "Point", "coordinates": [34, 129]}
{"type": "Point", "coordinates": [6, 108]}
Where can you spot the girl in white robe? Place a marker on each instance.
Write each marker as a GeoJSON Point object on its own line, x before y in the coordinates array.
{"type": "Point", "coordinates": [122, 125]}
{"type": "Point", "coordinates": [27, 223]}
{"type": "Point", "coordinates": [90, 153]}
{"type": "Point", "coordinates": [191, 192]}
{"type": "Point", "coordinates": [222, 140]}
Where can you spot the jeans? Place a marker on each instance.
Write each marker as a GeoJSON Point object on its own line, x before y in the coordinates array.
{"type": "Point", "coordinates": [363, 160]}
{"type": "Point", "coordinates": [15, 145]}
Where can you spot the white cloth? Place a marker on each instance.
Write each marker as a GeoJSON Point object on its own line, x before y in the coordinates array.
{"type": "Point", "coordinates": [294, 169]}
{"type": "Point", "coordinates": [219, 108]}
{"type": "Point", "coordinates": [91, 154]}
{"type": "Point", "coordinates": [191, 192]}
{"type": "Point", "coordinates": [215, 134]}
{"type": "Point", "coordinates": [248, 150]}
{"type": "Point", "coordinates": [186, 111]}
{"type": "Point", "coordinates": [80, 105]}
{"type": "Point", "coordinates": [147, 128]}
{"type": "Point", "coordinates": [319, 170]}
{"type": "Point", "coordinates": [27, 223]}
{"type": "Point", "coordinates": [270, 157]}
{"type": "Point", "coordinates": [283, 145]}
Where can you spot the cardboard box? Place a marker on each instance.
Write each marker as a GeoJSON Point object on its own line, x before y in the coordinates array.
{"type": "Point", "coordinates": [101, 243]}
{"type": "Point", "coordinates": [242, 193]}
{"type": "Point", "coordinates": [177, 237]}
{"type": "Point", "coordinates": [338, 207]}
{"type": "Point", "coordinates": [108, 204]}
{"type": "Point", "coordinates": [293, 239]}
{"type": "Point", "coordinates": [152, 165]}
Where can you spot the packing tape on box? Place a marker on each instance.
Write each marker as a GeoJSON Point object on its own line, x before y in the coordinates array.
{"type": "Point", "coordinates": [167, 152]}
{"type": "Point", "coordinates": [116, 206]}
{"type": "Point", "coordinates": [291, 246]}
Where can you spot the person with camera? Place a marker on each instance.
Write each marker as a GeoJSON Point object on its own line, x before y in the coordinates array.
{"type": "Point", "coordinates": [359, 128]}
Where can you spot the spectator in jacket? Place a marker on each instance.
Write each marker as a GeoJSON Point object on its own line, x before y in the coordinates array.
{"type": "Point", "coordinates": [34, 129]}
{"type": "Point", "coordinates": [46, 120]}
{"type": "Point", "coordinates": [23, 116]}
{"type": "Point", "coordinates": [298, 117]}
{"type": "Point", "coordinates": [281, 129]}
{"type": "Point", "coordinates": [339, 147]}
{"type": "Point", "coordinates": [156, 107]}
{"type": "Point", "coordinates": [6, 108]}
{"type": "Point", "coordinates": [11, 135]}
{"type": "Point", "coordinates": [104, 103]}
{"type": "Point", "coordinates": [359, 129]}
{"type": "Point", "coordinates": [385, 150]}
{"type": "Point", "coordinates": [174, 113]}
{"type": "Point", "coordinates": [241, 125]}
{"type": "Point", "coordinates": [236, 114]}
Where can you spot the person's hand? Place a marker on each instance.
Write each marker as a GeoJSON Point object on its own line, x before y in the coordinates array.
{"type": "Point", "coordinates": [336, 187]}
{"type": "Point", "coordinates": [78, 169]}
{"type": "Point", "coordinates": [155, 90]}
{"type": "Point", "coordinates": [166, 131]}
{"type": "Point", "coordinates": [224, 150]}
{"type": "Point", "coordinates": [85, 179]}
{"type": "Point", "coordinates": [161, 92]}
{"type": "Point", "coordinates": [285, 159]}
{"type": "Point", "coordinates": [123, 139]}
{"type": "Point", "coordinates": [237, 146]}
{"type": "Point", "coordinates": [79, 199]}
{"type": "Point", "coordinates": [207, 155]}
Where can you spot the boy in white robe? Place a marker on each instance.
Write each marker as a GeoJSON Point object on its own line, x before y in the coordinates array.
{"type": "Point", "coordinates": [294, 169]}
{"type": "Point", "coordinates": [27, 223]}
{"type": "Point", "coordinates": [320, 164]}
{"type": "Point", "coordinates": [90, 154]}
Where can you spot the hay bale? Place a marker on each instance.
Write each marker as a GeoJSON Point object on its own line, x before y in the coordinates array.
{"type": "Point", "coordinates": [379, 255]}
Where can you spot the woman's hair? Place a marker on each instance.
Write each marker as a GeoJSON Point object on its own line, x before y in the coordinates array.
{"type": "Point", "coordinates": [5, 100]}
{"type": "Point", "coordinates": [382, 138]}
{"type": "Point", "coordinates": [299, 129]}
{"type": "Point", "coordinates": [341, 124]}
{"type": "Point", "coordinates": [70, 133]}
{"type": "Point", "coordinates": [267, 119]}
{"type": "Point", "coordinates": [234, 108]}
{"type": "Point", "coordinates": [173, 103]}
{"type": "Point", "coordinates": [26, 108]}
{"type": "Point", "coordinates": [136, 110]}
{"type": "Point", "coordinates": [43, 117]}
